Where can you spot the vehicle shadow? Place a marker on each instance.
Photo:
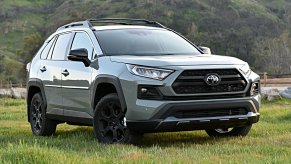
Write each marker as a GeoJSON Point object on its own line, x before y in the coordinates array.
{"type": "Point", "coordinates": [177, 139]}
{"type": "Point", "coordinates": [76, 131]}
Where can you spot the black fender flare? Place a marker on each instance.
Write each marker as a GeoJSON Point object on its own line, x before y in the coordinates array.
{"type": "Point", "coordinates": [110, 80]}
{"type": "Point", "coordinates": [34, 83]}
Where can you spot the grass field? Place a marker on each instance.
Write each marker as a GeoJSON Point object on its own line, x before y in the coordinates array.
{"type": "Point", "coordinates": [268, 142]}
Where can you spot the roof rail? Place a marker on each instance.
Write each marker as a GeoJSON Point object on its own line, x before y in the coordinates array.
{"type": "Point", "coordinates": [127, 21]}
{"type": "Point", "coordinates": [122, 21]}
{"type": "Point", "coordinates": [76, 24]}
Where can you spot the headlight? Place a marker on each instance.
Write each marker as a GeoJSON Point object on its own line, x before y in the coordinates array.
{"type": "Point", "coordinates": [153, 73]}
{"type": "Point", "coordinates": [245, 69]}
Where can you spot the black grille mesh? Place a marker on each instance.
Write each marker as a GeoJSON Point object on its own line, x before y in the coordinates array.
{"type": "Point", "coordinates": [192, 82]}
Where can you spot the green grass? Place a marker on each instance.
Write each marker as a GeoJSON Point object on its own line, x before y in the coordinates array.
{"type": "Point", "coordinates": [268, 142]}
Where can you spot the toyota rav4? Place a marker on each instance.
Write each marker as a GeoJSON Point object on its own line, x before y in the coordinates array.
{"type": "Point", "coordinates": [126, 77]}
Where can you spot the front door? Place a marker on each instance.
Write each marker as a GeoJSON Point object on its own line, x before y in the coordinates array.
{"type": "Point", "coordinates": [76, 81]}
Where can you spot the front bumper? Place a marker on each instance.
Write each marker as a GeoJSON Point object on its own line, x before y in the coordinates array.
{"type": "Point", "coordinates": [165, 121]}
{"type": "Point", "coordinates": [157, 115]}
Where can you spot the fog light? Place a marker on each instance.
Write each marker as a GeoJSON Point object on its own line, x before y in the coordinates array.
{"type": "Point", "coordinates": [148, 92]}
{"type": "Point", "coordinates": [255, 88]}
{"type": "Point", "coordinates": [143, 90]}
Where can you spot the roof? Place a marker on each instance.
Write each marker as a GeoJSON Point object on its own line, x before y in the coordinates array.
{"type": "Point", "coordinates": [113, 23]}
{"type": "Point", "coordinates": [116, 27]}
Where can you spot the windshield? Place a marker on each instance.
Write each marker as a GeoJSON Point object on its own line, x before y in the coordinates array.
{"type": "Point", "coordinates": [143, 42]}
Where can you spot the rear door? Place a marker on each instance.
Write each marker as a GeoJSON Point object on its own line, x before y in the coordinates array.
{"type": "Point", "coordinates": [50, 72]}
{"type": "Point", "coordinates": [76, 80]}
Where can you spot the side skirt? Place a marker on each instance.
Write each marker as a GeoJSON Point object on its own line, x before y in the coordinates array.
{"type": "Point", "coordinates": [71, 117]}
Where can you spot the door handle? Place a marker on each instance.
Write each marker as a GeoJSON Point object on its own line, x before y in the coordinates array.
{"type": "Point", "coordinates": [43, 69]}
{"type": "Point", "coordinates": [65, 72]}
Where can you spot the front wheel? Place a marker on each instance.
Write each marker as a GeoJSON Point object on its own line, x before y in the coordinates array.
{"type": "Point", "coordinates": [110, 123]}
{"type": "Point", "coordinates": [229, 132]}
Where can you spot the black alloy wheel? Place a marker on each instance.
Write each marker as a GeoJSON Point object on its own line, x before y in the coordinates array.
{"type": "Point", "coordinates": [110, 123]}
{"type": "Point", "coordinates": [40, 125]}
{"type": "Point", "coordinates": [36, 115]}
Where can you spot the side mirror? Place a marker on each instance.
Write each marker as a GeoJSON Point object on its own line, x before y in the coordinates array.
{"type": "Point", "coordinates": [80, 55]}
{"type": "Point", "coordinates": [205, 50]}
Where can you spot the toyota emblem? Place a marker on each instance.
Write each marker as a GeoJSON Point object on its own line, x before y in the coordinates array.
{"type": "Point", "coordinates": [212, 79]}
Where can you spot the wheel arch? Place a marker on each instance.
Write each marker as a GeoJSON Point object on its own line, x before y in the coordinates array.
{"type": "Point", "coordinates": [34, 86]}
{"type": "Point", "coordinates": [102, 81]}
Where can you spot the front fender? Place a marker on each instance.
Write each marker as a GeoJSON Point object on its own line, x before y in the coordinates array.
{"type": "Point", "coordinates": [110, 80]}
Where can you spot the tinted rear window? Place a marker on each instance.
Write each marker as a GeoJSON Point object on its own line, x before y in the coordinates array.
{"type": "Point", "coordinates": [47, 48]}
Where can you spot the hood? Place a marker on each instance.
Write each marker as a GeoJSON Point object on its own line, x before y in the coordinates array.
{"type": "Point", "coordinates": [178, 60]}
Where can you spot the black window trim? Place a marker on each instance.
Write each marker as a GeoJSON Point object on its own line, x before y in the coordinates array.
{"type": "Point", "coordinates": [41, 50]}
{"type": "Point", "coordinates": [53, 39]}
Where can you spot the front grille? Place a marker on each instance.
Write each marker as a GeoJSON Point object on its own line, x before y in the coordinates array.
{"type": "Point", "coordinates": [210, 113]}
{"type": "Point", "coordinates": [193, 82]}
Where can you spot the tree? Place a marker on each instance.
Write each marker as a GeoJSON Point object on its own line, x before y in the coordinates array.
{"type": "Point", "coordinates": [32, 43]}
{"type": "Point", "coordinates": [273, 55]}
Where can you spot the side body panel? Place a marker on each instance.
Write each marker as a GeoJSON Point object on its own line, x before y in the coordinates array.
{"type": "Point", "coordinates": [76, 88]}
{"type": "Point", "coordinates": [51, 79]}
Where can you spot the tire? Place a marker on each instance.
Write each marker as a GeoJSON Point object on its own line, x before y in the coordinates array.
{"type": "Point", "coordinates": [109, 122]}
{"type": "Point", "coordinates": [228, 132]}
{"type": "Point", "coordinates": [40, 125]}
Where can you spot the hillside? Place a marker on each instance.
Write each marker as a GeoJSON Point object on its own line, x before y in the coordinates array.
{"type": "Point", "coordinates": [256, 31]}
{"type": "Point", "coordinates": [18, 20]}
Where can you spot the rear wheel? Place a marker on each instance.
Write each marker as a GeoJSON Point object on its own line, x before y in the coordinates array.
{"type": "Point", "coordinates": [229, 132]}
{"type": "Point", "coordinates": [40, 125]}
{"type": "Point", "coordinates": [110, 123]}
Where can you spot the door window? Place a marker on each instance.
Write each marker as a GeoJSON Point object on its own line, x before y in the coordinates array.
{"type": "Point", "coordinates": [81, 40]}
{"type": "Point", "coordinates": [60, 49]}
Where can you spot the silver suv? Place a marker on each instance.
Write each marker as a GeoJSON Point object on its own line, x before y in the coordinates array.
{"type": "Point", "coordinates": [127, 77]}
